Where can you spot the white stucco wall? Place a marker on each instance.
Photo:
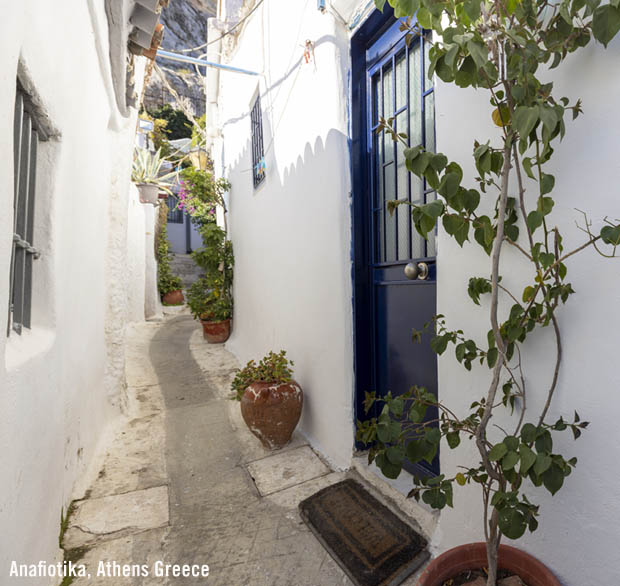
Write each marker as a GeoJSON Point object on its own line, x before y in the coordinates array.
{"type": "Point", "coordinates": [577, 537]}
{"type": "Point", "coordinates": [292, 234]}
{"type": "Point", "coordinates": [60, 382]}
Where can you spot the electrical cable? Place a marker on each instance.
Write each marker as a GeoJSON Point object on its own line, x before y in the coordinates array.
{"type": "Point", "coordinates": [226, 33]}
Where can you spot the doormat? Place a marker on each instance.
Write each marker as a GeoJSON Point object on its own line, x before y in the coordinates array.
{"type": "Point", "coordinates": [370, 543]}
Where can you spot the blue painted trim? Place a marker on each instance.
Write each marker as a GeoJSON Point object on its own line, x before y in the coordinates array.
{"type": "Point", "coordinates": [376, 24]}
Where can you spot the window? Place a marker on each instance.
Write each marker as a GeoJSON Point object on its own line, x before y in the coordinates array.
{"type": "Point", "coordinates": [175, 215]}
{"type": "Point", "coordinates": [26, 136]}
{"type": "Point", "coordinates": [258, 152]}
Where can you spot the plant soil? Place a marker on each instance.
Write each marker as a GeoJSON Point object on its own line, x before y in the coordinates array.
{"type": "Point", "coordinates": [471, 575]}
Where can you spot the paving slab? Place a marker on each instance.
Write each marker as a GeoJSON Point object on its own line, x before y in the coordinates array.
{"type": "Point", "coordinates": [96, 519]}
{"type": "Point", "coordinates": [286, 469]}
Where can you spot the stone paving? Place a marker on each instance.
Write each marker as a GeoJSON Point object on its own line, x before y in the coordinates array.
{"type": "Point", "coordinates": [185, 482]}
{"type": "Point", "coordinates": [175, 485]}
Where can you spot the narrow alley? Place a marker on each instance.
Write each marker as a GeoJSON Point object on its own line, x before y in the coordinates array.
{"type": "Point", "coordinates": [175, 486]}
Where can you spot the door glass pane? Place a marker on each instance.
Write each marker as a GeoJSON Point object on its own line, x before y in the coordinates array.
{"type": "Point", "coordinates": [388, 104]}
{"type": "Point", "coordinates": [431, 243]}
{"type": "Point", "coordinates": [379, 232]}
{"type": "Point", "coordinates": [417, 242]}
{"type": "Point", "coordinates": [428, 84]}
{"type": "Point", "coordinates": [415, 95]}
{"type": "Point", "coordinates": [429, 121]}
{"type": "Point", "coordinates": [402, 179]}
{"type": "Point", "coordinates": [376, 99]}
{"type": "Point", "coordinates": [401, 80]}
{"type": "Point", "coordinates": [390, 221]}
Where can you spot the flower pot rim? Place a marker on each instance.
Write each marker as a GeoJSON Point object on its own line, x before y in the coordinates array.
{"type": "Point", "coordinates": [471, 556]}
{"type": "Point", "coordinates": [214, 321]}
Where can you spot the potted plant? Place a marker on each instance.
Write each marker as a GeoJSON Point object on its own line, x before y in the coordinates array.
{"type": "Point", "coordinates": [212, 308]}
{"type": "Point", "coordinates": [169, 285]}
{"type": "Point", "coordinates": [147, 174]}
{"type": "Point", "coordinates": [501, 47]}
{"type": "Point", "coordinates": [210, 298]}
{"type": "Point", "coordinates": [271, 401]}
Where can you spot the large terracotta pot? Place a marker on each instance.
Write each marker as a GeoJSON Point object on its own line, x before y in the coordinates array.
{"type": "Point", "coordinates": [149, 193]}
{"type": "Point", "coordinates": [215, 332]}
{"type": "Point", "coordinates": [173, 298]}
{"type": "Point", "coordinates": [473, 556]}
{"type": "Point", "coordinates": [272, 411]}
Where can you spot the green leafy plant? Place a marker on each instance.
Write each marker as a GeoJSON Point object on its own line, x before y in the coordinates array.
{"type": "Point", "coordinates": [166, 280]}
{"type": "Point", "coordinates": [273, 368]}
{"type": "Point", "coordinates": [147, 168]}
{"type": "Point", "coordinates": [178, 124]}
{"type": "Point", "coordinates": [210, 298]}
{"type": "Point", "coordinates": [508, 48]}
{"type": "Point", "coordinates": [200, 194]}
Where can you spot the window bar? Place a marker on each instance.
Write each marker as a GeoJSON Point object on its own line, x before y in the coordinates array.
{"type": "Point", "coordinates": [31, 253]}
{"type": "Point", "coordinates": [20, 225]}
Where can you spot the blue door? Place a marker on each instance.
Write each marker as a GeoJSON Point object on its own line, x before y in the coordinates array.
{"type": "Point", "coordinates": [395, 268]}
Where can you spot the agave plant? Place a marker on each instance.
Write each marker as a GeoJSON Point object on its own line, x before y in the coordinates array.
{"type": "Point", "coordinates": [147, 169]}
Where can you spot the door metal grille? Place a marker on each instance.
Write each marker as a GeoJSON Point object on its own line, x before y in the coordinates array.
{"type": "Point", "coordinates": [400, 90]}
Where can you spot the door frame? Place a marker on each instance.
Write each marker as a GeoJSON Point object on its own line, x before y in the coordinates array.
{"type": "Point", "coordinates": [383, 27]}
{"type": "Point", "coordinates": [363, 323]}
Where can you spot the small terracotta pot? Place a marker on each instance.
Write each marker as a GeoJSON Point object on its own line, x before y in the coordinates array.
{"type": "Point", "coordinates": [272, 411]}
{"type": "Point", "coordinates": [215, 332]}
{"type": "Point", "coordinates": [473, 556]}
{"type": "Point", "coordinates": [173, 298]}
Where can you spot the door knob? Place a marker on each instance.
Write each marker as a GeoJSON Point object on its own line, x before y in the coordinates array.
{"type": "Point", "coordinates": [416, 271]}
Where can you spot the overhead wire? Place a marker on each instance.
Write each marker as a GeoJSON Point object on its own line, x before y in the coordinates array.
{"type": "Point", "coordinates": [226, 33]}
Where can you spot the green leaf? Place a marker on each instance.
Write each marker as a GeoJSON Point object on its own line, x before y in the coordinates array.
{"type": "Point", "coordinates": [546, 184]}
{"type": "Point", "coordinates": [528, 457]}
{"type": "Point", "coordinates": [380, 4]}
{"type": "Point", "coordinates": [395, 454]}
{"type": "Point", "coordinates": [606, 23]}
{"type": "Point", "coordinates": [510, 460]}
{"type": "Point", "coordinates": [383, 432]}
{"type": "Point", "coordinates": [417, 413]}
{"type": "Point", "coordinates": [492, 355]}
{"type": "Point", "coordinates": [472, 9]}
{"type": "Point", "coordinates": [439, 162]}
{"type": "Point", "coordinates": [553, 478]}
{"type": "Point", "coordinates": [435, 498]}
{"type": "Point", "coordinates": [416, 450]}
{"type": "Point", "coordinates": [479, 53]}
{"type": "Point", "coordinates": [525, 119]}
{"type": "Point", "coordinates": [542, 463]}
{"type": "Point", "coordinates": [453, 439]}
{"type": "Point", "coordinates": [534, 220]}
{"type": "Point", "coordinates": [512, 443]}
{"type": "Point", "coordinates": [460, 479]}
{"type": "Point", "coordinates": [439, 344]}
{"type": "Point", "coordinates": [449, 185]}
{"type": "Point", "coordinates": [611, 235]}
{"type": "Point", "coordinates": [544, 443]}
{"type": "Point", "coordinates": [497, 452]}
{"type": "Point", "coordinates": [456, 226]}
{"type": "Point", "coordinates": [545, 204]}
{"type": "Point", "coordinates": [512, 522]}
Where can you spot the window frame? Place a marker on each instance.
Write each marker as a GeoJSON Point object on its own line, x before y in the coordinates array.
{"type": "Point", "coordinates": [27, 134]}
{"type": "Point", "coordinates": [258, 150]}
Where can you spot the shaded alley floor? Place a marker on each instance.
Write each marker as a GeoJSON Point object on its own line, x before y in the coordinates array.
{"type": "Point", "coordinates": [175, 485]}
{"type": "Point", "coordinates": [185, 482]}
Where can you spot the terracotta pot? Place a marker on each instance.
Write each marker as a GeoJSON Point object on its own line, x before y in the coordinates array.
{"type": "Point", "coordinates": [473, 556]}
{"type": "Point", "coordinates": [173, 298]}
{"type": "Point", "coordinates": [272, 411]}
{"type": "Point", "coordinates": [215, 332]}
{"type": "Point", "coordinates": [149, 193]}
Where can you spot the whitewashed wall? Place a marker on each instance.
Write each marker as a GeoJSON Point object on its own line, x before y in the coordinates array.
{"type": "Point", "coordinates": [60, 382]}
{"type": "Point", "coordinates": [292, 235]}
{"type": "Point", "coordinates": [292, 278]}
{"type": "Point", "coordinates": [578, 532]}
